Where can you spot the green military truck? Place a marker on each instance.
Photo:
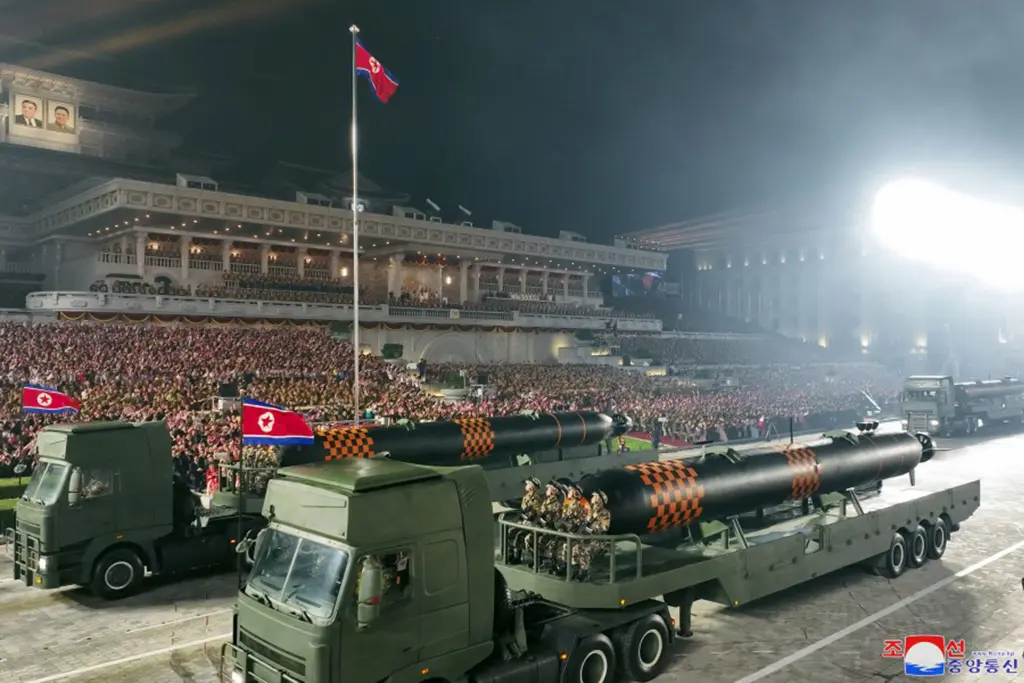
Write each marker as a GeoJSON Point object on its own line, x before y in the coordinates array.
{"type": "Point", "coordinates": [377, 570]}
{"type": "Point", "coordinates": [103, 506]}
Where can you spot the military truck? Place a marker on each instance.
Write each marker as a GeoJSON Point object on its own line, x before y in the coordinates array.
{"type": "Point", "coordinates": [376, 570]}
{"type": "Point", "coordinates": [103, 506]}
{"type": "Point", "coordinates": [935, 404]}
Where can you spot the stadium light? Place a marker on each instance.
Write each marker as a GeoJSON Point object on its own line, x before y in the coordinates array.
{"type": "Point", "coordinates": [926, 222]}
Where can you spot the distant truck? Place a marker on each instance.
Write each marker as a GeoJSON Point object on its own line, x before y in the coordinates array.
{"type": "Point", "coordinates": [386, 571]}
{"type": "Point", "coordinates": [103, 506]}
{"type": "Point", "coordinates": [935, 404]}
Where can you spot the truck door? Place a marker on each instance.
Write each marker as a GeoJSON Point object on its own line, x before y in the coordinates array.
{"type": "Point", "coordinates": [391, 642]}
{"type": "Point", "coordinates": [91, 505]}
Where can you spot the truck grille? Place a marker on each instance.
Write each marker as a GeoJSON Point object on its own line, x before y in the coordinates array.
{"type": "Point", "coordinates": [26, 550]}
{"type": "Point", "coordinates": [918, 422]}
{"type": "Point", "coordinates": [261, 649]}
{"type": "Point", "coordinates": [31, 529]}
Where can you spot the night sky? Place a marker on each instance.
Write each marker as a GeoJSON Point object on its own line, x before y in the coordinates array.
{"type": "Point", "coordinates": [587, 115]}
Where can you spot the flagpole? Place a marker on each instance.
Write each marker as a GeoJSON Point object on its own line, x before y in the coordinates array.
{"type": "Point", "coordinates": [354, 30]}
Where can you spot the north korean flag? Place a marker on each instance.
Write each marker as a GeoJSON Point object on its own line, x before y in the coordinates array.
{"type": "Point", "coordinates": [36, 398]}
{"type": "Point", "coordinates": [264, 424]}
{"type": "Point", "coordinates": [383, 83]}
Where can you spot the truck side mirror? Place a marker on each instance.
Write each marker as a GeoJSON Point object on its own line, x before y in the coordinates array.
{"type": "Point", "coordinates": [74, 486]}
{"type": "Point", "coordinates": [371, 589]}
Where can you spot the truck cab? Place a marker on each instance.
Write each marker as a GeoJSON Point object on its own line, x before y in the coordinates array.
{"type": "Point", "coordinates": [94, 487]}
{"type": "Point", "coordinates": [928, 404]}
{"type": "Point", "coordinates": [368, 570]}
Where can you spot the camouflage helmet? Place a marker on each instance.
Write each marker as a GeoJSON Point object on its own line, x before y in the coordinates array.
{"type": "Point", "coordinates": [533, 481]}
{"type": "Point", "coordinates": [600, 495]}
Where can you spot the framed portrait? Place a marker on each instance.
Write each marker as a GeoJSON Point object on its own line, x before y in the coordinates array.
{"type": "Point", "coordinates": [28, 111]}
{"type": "Point", "coordinates": [61, 117]}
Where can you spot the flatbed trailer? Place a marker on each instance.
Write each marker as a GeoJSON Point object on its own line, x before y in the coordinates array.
{"type": "Point", "coordinates": [454, 609]}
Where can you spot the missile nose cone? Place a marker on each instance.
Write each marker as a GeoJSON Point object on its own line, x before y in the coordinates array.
{"type": "Point", "coordinates": [927, 446]}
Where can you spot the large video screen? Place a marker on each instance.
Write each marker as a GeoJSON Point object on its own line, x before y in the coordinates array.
{"type": "Point", "coordinates": [639, 284]}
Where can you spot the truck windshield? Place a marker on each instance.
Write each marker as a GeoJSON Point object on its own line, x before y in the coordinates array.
{"type": "Point", "coordinates": [299, 573]}
{"type": "Point", "coordinates": [46, 483]}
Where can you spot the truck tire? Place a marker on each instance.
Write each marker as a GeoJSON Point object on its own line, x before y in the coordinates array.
{"type": "Point", "coordinates": [118, 574]}
{"type": "Point", "coordinates": [893, 562]}
{"type": "Point", "coordinates": [593, 661]}
{"type": "Point", "coordinates": [504, 613]}
{"type": "Point", "coordinates": [938, 538]}
{"type": "Point", "coordinates": [917, 547]}
{"type": "Point", "coordinates": [642, 648]}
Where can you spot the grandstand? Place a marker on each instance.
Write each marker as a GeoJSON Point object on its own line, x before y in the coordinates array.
{"type": "Point", "coordinates": [101, 219]}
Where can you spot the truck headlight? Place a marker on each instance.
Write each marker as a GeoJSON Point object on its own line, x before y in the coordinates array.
{"type": "Point", "coordinates": [46, 564]}
{"type": "Point", "coordinates": [933, 423]}
{"type": "Point", "coordinates": [237, 677]}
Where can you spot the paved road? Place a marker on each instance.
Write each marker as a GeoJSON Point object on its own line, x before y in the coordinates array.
{"type": "Point", "coordinates": [831, 629]}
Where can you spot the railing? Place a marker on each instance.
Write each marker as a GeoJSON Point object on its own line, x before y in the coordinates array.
{"type": "Point", "coordinates": [15, 267]}
{"type": "Point", "coordinates": [288, 271]}
{"type": "Point", "coordinates": [163, 262]}
{"type": "Point", "coordinates": [248, 268]}
{"type": "Point", "coordinates": [609, 548]}
{"type": "Point", "coordinates": [116, 259]}
{"type": "Point", "coordinates": [105, 303]}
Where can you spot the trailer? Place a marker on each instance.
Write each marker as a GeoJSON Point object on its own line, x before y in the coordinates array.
{"type": "Point", "coordinates": [103, 506]}
{"type": "Point", "coordinates": [377, 570]}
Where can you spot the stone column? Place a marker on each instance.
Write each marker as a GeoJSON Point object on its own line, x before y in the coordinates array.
{"type": "Point", "coordinates": [225, 255]}
{"type": "Point", "coordinates": [335, 264]}
{"type": "Point", "coordinates": [475, 294]}
{"type": "Point", "coordinates": [501, 280]}
{"type": "Point", "coordinates": [300, 261]}
{"type": "Point", "coordinates": [395, 276]}
{"type": "Point", "coordinates": [586, 284]}
{"type": "Point", "coordinates": [58, 258]}
{"type": "Point", "coordinates": [265, 258]}
{"type": "Point", "coordinates": [523, 272]}
{"type": "Point", "coordinates": [565, 285]}
{"type": "Point", "coordinates": [186, 246]}
{"type": "Point", "coordinates": [140, 254]}
{"type": "Point", "coordinates": [544, 283]}
{"type": "Point", "coordinates": [463, 280]}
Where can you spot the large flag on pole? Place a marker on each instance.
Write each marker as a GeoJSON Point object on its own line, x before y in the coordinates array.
{"type": "Point", "coordinates": [264, 424]}
{"type": "Point", "coordinates": [383, 83]}
{"type": "Point", "coordinates": [35, 398]}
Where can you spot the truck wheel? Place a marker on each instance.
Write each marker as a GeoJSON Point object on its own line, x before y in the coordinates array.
{"type": "Point", "coordinates": [642, 648]}
{"type": "Point", "coordinates": [592, 662]}
{"type": "Point", "coordinates": [917, 547]}
{"type": "Point", "coordinates": [893, 561]}
{"type": "Point", "coordinates": [117, 575]}
{"type": "Point", "coordinates": [504, 614]}
{"type": "Point", "coordinates": [938, 537]}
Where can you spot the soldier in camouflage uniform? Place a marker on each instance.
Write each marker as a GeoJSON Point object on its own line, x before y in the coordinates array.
{"type": "Point", "coordinates": [574, 520]}
{"type": "Point", "coordinates": [597, 523]}
{"type": "Point", "coordinates": [519, 541]}
{"type": "Point", "coordinates": [550, 518]}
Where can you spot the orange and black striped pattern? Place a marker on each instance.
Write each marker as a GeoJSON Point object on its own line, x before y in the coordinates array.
{"type": "Point", "coordinates": [477, 437]}
{"type": "Point", "coordinates": [675, 493]}
{"type": "Point", "coordinates": [348, 442]}
{"type": "Point", "coordinates": [805, 470]}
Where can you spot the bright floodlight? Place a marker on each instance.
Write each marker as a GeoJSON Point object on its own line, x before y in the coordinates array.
{"type": "Point", "coordinates": [927, 222]}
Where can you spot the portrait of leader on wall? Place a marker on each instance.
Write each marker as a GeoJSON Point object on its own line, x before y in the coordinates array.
{"type": "Point", "coordinates": [61, 117]}
{"type": "Point", "coordinates": [30, 109]}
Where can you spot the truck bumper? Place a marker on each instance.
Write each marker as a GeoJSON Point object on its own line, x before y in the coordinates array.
{"type": "Point", "coordinates": [239, 666]}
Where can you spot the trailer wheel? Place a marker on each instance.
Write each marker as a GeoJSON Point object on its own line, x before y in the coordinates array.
{"type": "Point", "coordinates": [642, 648]}
{"type": "Point", "coordinates": [893, 562]}
{"type": "Point", "coordinates": [938, 537]}
{"type": "Point", "coordinates": [917, 547]}
{"type": "Point", "coordinates": [593, 661]}
{"type": "Point", "coordinates": [118, 574]}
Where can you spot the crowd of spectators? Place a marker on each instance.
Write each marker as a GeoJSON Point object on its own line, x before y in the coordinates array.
{"type": "Point", "coordinates": [144, 372]}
